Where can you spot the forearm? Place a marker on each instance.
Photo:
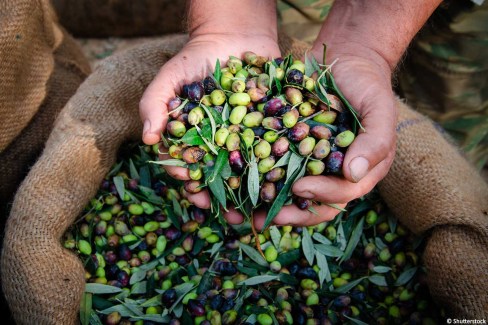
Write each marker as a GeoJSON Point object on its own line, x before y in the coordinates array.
{"type": "Point", "coordinates": [235, 17]}
{"type": "Point", "coordinates": [383, 27]}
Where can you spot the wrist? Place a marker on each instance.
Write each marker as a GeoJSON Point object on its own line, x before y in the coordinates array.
{"type": "Point", "coordinates": [233, 18]}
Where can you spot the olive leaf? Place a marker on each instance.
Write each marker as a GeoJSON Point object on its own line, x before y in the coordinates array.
{"type": "Point", "coordinates": [226, 112]}
{"type": "Point", "coordinates": [275, 235]}
{"type": "Point", "coordinates": [355, 321]}
{"type": "Point", "coordinates": [86, 308]}
{"type": "Point", "coordinates": [321, 238]}
{"type": "Point", "coordinates": [406, 276]}
{"type": "Point", "coordinates": [207, 142]}
{"type": "Point", "coordinates": [253, 254]}
{"type": "Point", "coordinates": [353, 241]}
{"type": "Point", "coordinates": [324, 272]}
{"type": "Point", "coordinates": [192, 138]}
{"type": "Point", "coordinates": [258, 280]}
{"type": "Point", "coordinates": [381, 269]}
{"type": "Point", "coordinates": [94, 319]}
{"type": "Point", "coordinates": [167, 162]}
{"type": "Point", "coordinates": [345, 288]}
{"type": "Point", "coordinates": [253, 181]}
{"type": "Point", "coordinates": [217, 72]}
{"type": "Point", "coordinates": [307, 246]}
{"type": "Point", "coordinates": [99, 288]}
{"type": "Point", "coordinates": [216, 187]}
{"type": "Point", "coordinates": [220, 163]}
{"type": "Point", "coordinates": [283, 161]}
{"type": "Point", "coordinates": [379, 280]}
{"type": "Point", "coordinates": [119, 186]}
{"type": "Point", "coordinates": [133, 171]}
{"type": "Point", "coordinates": [212, 121]}
{"type": "Point", "coordinates": [328, 250]}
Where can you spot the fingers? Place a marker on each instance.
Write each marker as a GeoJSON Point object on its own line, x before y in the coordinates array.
{"type": "Point", "coordinates": [180, 173]}
{"type": "Point", "coordinates": [200, 199]}
{"type": "Point", "coordinates": [331, 189]}
{"type": "Point", "coordinates": [373, 145]}
{"type": "Point", "coordinates": [289, 215]}
{"type": "Point", "coordinates": [153, 105]}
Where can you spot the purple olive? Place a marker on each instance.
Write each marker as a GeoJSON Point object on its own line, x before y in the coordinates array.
{"type": "Point", "coordinates": [299, 132]}
{"type": "Point", "coordinates": [272, 106]}
{"type": "Point", "coordinates": [236, 161]}
{"type": "Point", "coordinates": [195, 91]}
{"type": "Point", "coordinates": [294, 76]}
{"type": "Point", "coordinates": [189, 106]}
{"type": "Point", "coordinates": [302, 203]}
{"type": "Point", "coordinates": [124, 252]}
{"type": "Point", "coordinates": [196, 308]}
{"type": "Point", "coordinates": [268, 192]}
{"type": "Point", "coordinates": [123, 278]}
{"type": "Point", "coordinates": [333, 163]}
{"type": "Point", "coordinates": [168, 297]}
{"type": "Point", "coordinates": [209, 85]}
{"type": "Point", "coordinates": [280, 147]}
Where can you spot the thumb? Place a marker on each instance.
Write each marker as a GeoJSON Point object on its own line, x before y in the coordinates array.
{"type": "Point", "coordinates": [153, 106]}
{"type": "Point", "coordinates": [376, 141]}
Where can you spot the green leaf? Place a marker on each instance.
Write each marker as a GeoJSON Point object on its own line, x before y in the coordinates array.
{"type": "Point", "coordinates": [253, 181]}
{"type": "Point", "coordinates": [345, 288]}
{"type": "Point", "coordinates": [212, 121]}
{"type": "Point", "coordinates": [392, 223]}
{"type": "Point", "coordinates": [192, 138]}
{"type": "Point", "coordinates": [217, 72]}
{"type": "Point", "coordinates": [133, 171]}
{"type": "Point", "coordinates": [353, 241]}
{"type": "Point", "coordinates": [121, 309]}
{"type": "Point", "coordinates": [341, 237]}
{"type": "Point", "coordinates": [272, 74]}
{"type": "Point", "coordinates": [218, 190]}
{"type": "Point", "coordinates": [406, 276]}
{"type": "Point", "coordinates": [294, 164]}
{"type": "Point", "coordinates": [289, 257]}
{"type": "Point", "coordinates": [156, 318]}
{"type": "Point", "coordinates": [226, 112]}
{"type": "Point", "coordinates": [145, 176]}
{"type": "Point", "coordinates": [220, 162]}
{"type": "Point", "coordinates": [379, 243]}
{"type": "Point", "coordinates": [309, 66]}
{"type": "Point", "coordinates": [253, 254]}
{"type": "Point", "coordinates": [283, 161]}
{"type": "Point", "coordinates": [379, 280]}
{"type": "Point", "coordinates": [381, 269]}
{"type": "Point", "coordinates": [279, 87]}
{"type": "Point", "coordinates": [181, 291]}
{"type": "Point", "coordinates": [86, 308]}
{"type": "Point", "coordinates": [176, 206]}
{"type": "Point", "coordinates": [137, 276]}
{"type": "Point", "coordinates": [275, 235]}
{"type": "Point", "coordinates": [215, 248]}
{"type": "Point", "coordinates": [329, 250]}
{"type": "Point", "coordinates": [321, 238]}
{"type": "Point", "coordinates": [355, 321]}
{"type": "Point", "coordinates": [307, 246]}
{"type": "Point", "coordinates": [207, 142]}
{"type": "Point", "coordinates": [258, 280]}
{"type": "Point", "coordinates": [99, 288]}
{"type": "Point", "coordinates": [94, 319]}
{"type": "Point", "coordinates": [324, 273]}
{"type": "Point", "coordinates": [115, 169]}
{"type": "Point", "coordinates": [169, 162]}
{"type": "Point", "coordinates": [138, 288]}
{"type": "Point", "coordinates": [337, 207]}
{"type": "Point", "coordinates": [119, 185]}
{"type": "Point", "coordinates": [154, 301]}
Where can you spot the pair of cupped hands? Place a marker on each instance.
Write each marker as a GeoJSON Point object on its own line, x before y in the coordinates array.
{"type": "Point", "coordinates": [364, 79]}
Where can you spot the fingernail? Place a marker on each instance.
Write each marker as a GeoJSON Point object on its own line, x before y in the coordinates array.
{"type": "Point", "coordinates": [358, 167]}
{"type": "Point", "coordinates": [306, 195]}
{"type": "Point", "coordinates": [147, 127]}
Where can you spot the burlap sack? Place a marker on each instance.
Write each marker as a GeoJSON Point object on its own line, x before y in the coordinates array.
{"type": "Point", "coordinates": [41, 68]}
{"type": "Point", "coordinates": [432, 189]}
{"type": "Point", "coordinates": [123, 18]}
{"type": "Point", "coordinates": [44, 282]}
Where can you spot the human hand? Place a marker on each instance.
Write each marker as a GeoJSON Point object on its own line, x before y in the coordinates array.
{"type": "Point", "coordinates": [194, 62]}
